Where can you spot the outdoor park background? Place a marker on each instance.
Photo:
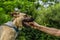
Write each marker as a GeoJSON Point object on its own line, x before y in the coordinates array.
{"type": "Point", "coordinates": [45, 12]}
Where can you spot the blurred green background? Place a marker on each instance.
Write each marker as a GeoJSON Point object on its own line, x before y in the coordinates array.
{"type": "Point", "coordinates": [45, 12]}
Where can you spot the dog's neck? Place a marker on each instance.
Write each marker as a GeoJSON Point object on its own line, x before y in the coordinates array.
{"type": "Point", "coordinates": [10, 23]}
{"type": "Point", "coordinates": [17, 22]}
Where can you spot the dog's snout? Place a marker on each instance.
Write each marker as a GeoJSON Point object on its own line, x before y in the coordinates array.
{"type": "Point", "coordinates": [28, 19]}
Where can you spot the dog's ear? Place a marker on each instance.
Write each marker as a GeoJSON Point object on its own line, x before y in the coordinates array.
{"type": "Point", "coordinates": [14, 14]}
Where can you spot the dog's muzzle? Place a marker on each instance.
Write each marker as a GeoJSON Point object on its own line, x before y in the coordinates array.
{"type": "Point", "coordinates": [27, 20]}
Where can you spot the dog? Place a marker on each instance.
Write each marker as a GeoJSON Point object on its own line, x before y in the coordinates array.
{"type": "Point", "coordinates": [9, 30]}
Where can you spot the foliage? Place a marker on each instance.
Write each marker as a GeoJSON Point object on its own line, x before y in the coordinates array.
{"type": "Point", "coordinates": [47, 17]}
{"type": "Point", "coordinates": [50, 16]}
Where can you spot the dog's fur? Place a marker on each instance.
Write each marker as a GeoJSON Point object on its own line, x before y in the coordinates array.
{"type": "Point", "coordinates": [8, 33]}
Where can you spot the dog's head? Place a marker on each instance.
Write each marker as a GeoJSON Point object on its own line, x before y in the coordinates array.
{"type": "Point", "coordinates": [20, 19]}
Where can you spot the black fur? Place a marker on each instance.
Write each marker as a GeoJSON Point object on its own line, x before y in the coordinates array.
{"type": "Point", "coordinates": [28, 19]}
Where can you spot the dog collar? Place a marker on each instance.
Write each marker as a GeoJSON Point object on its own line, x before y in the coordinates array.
{"type": "Point", "coordinates": [10, 24]}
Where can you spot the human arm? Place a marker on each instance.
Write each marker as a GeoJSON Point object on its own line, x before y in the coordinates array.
{"type": "Point", "coordinates": [51, 31]}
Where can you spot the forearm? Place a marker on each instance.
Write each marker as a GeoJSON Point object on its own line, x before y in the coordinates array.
{"type": "Point", "coordinates": [51, 31]}
{"type": "Point", "coordinates": [48, 30]}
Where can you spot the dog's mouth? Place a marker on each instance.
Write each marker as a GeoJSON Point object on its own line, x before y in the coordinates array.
{"type": "Point", "coordinates": [26, 21]}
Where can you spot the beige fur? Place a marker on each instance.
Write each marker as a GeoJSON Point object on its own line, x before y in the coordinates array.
{"type": "Point", "coordinates": [8, 33]}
